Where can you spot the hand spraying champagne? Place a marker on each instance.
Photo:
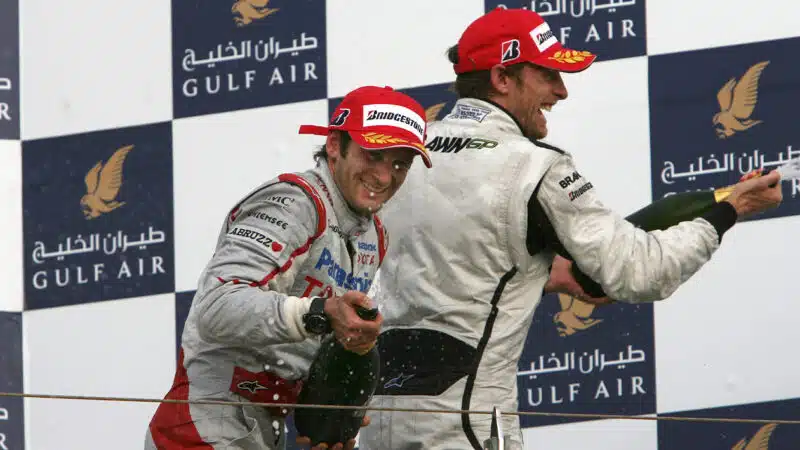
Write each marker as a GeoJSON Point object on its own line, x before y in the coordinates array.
{"type": "Point", "coordinates": [676, 208]}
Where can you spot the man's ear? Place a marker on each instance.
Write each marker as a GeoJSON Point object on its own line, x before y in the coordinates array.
{"type": "Point", "coordinates": [333, 145]}
{"type": "Point", "coordinates": [499, 79]}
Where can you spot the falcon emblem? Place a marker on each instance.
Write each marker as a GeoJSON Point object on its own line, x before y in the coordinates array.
{"type": "Point", "coordinates": [737, 101]}
{"type": "Point", "coordinates": [760, 440]}
{"type": "Point", "coordinates": [575, 315]}
{"type": "Point", "coordinates": [102, 185]}
{"type": "Point", "coordinates": [431, 113]}
{"type": "Point", "coordinates": [251, 10]}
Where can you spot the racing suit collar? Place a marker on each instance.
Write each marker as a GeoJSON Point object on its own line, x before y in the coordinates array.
{"type": "Point", "coordinates": [350, 223]}
{"type": "Point", "coordinates": [499, 117]}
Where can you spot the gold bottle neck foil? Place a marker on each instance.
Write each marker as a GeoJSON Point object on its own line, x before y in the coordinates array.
{"type": "Point", "coordinates": [722, 193]}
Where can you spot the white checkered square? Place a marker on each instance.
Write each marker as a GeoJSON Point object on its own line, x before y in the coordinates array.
{"type": "Point", "coordinates": [372, 43]}
{"type": "Point", "coordinates": [607, 130]}
{"type": "Point", "coordinates": [123, 348]}
{"type": "Point", "coordinates": [720, 338]}
{"type": "Point", "coordinates": [11, 225]}
{"type": "Point", "coordinates": [685, 25]}
{"type": "Point", "coordinates": [607, 434]}
{"type": "Point", "coordinates": [220, 158]}
{"type": "Point", "coordinates": [91, 65]}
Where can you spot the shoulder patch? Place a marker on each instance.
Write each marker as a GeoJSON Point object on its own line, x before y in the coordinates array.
{"type": "Point", "coordinates": [322, 220]}
{"type": "Point", "coordinates": [248, 234]}
{"type": "Point", "coordinates": [283, 200]}
{"type": "Point", "coordinates": [570, 179]}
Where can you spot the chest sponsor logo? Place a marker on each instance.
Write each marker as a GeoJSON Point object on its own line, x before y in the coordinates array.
{"type": "Point", "coordinates": [366, 254]}
{"type": "Point", "coordinates": [254, 235]}
{"type": "Point", "coordinates": [338, 230]}
{"type": "Point", "coordinates": [280, 223]}
{"type": "Point", "coordinates": [365, 259]}
{"type": "Point", "coordinates": [335, 275]}
{"type": "Point", "coordinates": [451, 144]}
{"type": "Point", "coordinates": [367, 246]}
{"type": "Point", "coordinates": [280, 200]}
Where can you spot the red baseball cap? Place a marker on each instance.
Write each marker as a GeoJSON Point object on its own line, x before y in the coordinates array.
{"type": "Point", "coordinates": [510, 36]}
{"type": "Point", "coordinates": [379, 118]}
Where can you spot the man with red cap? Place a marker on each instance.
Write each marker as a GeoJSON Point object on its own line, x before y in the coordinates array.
{"type": "Point", "coordinates": [474, 241]}
{"type": "Point", "coordinates": [292, 260]}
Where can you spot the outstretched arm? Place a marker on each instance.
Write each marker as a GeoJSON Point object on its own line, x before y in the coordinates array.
{"type": "Point", "coordinates": [631, 265]}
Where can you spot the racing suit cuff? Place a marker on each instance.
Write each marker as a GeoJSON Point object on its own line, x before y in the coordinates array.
{"type": "Point", "coordinates": [293, 310]}
{"type": "Point", "coordinates": [722, 216]}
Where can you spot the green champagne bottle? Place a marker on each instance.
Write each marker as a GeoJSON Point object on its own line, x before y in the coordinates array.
{"type": "Point", "coordinates": [660, 215]}
{"type": "Point", "coordinates": [671, 210]}
{"type": "Point", "coordinates": [337, 377]}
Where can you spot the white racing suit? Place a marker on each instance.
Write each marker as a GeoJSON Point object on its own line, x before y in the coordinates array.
{"type": "Point", "coordinates": [468, 258]}
{"type": "Point", "coordinates": [290, 239]}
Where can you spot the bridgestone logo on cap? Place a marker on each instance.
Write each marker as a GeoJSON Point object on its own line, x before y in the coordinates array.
{"type": "Point", "coordinates": [394, 116]}
{"type": "Point", "coordinates": [543, 37]}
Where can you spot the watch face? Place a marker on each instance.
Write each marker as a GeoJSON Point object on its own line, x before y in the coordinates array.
{"type": "Point", "coordinates": [316, 324]}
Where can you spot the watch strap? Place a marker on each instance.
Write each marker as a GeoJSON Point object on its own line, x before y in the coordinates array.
{"type": "Point", "coordinates": [315, 320]}
{"type": "Point", "coordinates": [317, 305]}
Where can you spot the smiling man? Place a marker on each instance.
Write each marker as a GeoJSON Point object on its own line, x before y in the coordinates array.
{"type": "Point", "coordinates": [292, 260]}
{"type": "Point", "coordinates": [474, 239]}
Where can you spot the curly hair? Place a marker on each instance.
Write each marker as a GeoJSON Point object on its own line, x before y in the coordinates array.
{"type": "Point", "coordinates": [321, 154]}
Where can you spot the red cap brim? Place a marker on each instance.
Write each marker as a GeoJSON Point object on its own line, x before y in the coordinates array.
{"type": "Point", "coordinates": [313, 129]}
{"type": "Point", "coordinates": [379, 141]}
{"type": "Point", "coordinates": [566, 60]}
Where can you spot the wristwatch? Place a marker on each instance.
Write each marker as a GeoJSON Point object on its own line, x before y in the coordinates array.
{"type": "Point", "coordinates": [315, 320]}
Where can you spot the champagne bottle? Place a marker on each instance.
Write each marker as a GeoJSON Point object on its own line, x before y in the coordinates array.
{"type": "Point", "coordinates": [660, 215]}
{"type": "Point", "coordinates": [337, 376]}
{"type": "Point", "coordinates": [671, 210]}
